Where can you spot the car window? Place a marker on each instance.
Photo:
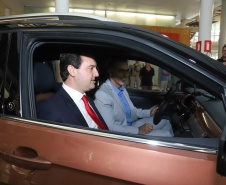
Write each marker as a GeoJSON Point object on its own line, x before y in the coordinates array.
{"type": "Point", "coordinates": [189, 119]}
{"type": "Point", "coordinates": [151, 77]}
{"type": "Point", "coordinates": [49, 50]}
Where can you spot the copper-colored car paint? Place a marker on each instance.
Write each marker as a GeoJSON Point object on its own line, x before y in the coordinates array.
{"type": "Point", "coordinates": [86, 158]}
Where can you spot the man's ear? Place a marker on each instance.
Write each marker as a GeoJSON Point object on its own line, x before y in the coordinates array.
{"type": "Point", "coordinates": [71, 70]}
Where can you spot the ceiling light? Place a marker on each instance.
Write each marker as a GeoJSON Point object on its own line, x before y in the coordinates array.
{"type": "Point", "coordinates": [52, 9]}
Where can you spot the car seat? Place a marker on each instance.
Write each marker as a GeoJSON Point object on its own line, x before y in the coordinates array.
{"type": "Point", "coordinates": [45, 84]}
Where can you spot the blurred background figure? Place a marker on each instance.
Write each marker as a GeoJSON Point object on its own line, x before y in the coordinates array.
{"type": "Point", "coordinates": [174, 80]}
{"type": "Point", "coordinates": [164, 80]}
{"type": "Point", "coordinates": [223, 58]}
{"type": "Point", "coordinates": [146, 75]}
{"type": "Point", "coordinates": [134, 75]}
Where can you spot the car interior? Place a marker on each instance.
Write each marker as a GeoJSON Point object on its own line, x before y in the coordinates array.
{"type": "Point", "coordinates": [44, 80]}
{"type": "Point", "coordinates": [188, 107]}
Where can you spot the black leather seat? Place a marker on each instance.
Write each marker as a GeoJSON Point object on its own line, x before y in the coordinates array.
{"type": "Point", "coordinates": [45, 84]}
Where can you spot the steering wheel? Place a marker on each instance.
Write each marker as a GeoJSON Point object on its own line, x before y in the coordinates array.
{"type": "Point", "coordinates": [164, 104]}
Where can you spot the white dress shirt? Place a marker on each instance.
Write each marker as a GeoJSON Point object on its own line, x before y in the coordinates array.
{"type": "Point", "coordinates": [77, 98]}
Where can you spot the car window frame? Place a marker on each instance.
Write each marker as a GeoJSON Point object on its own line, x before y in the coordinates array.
{"type": "Point", "coordinates": [32, 40]}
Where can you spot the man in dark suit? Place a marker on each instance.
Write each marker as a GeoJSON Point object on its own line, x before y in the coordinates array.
{"type": "Point", "coordinates": [69, 105]}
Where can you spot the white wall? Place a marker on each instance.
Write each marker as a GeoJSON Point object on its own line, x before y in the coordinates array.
{"type": "Point", "coordinates": [18, 8]}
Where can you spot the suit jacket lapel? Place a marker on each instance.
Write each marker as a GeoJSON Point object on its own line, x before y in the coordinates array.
{"type": "Point", "coordinates": [115, 95]}
{"type": "Point", "coordinates": [76, 112]}
{"type": "Point", "coordinates": [73, 108]}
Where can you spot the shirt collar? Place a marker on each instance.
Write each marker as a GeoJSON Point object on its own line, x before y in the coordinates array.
{"type": "Point", "coordinates": [75, 95]}
{"type": "Point", "coordinates": [118, 91]}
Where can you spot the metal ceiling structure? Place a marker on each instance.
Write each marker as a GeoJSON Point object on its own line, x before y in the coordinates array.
{"type": "Point", "coordinates": [186, 10]}
{"type": "Point", "coordinates": [183, 9]}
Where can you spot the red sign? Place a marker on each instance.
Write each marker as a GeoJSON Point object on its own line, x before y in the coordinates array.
{"type": "Point", "coordinates": [207, 46]}
{"type": "Point", "coordinates": [199, 45]}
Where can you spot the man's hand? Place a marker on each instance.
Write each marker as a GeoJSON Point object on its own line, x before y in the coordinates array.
{"type": "Point", "coordinates": [153, 111]}
{"type": "Point", "coordinates": [145, 128]}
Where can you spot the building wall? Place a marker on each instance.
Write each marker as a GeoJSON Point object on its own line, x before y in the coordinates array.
{"type": "Point", "coordinates": [17, 7]}
{"type": "Point", "coordinates": [2, 9]}
{"type": "Point", "coordinates": [182, 33]}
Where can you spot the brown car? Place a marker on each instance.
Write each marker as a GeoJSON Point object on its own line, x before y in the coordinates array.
{"type": "Point", "coordinates": [34, 151]}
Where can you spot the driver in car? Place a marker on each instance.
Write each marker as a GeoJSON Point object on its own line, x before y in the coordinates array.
{"type": "Point", "coordinates": [113, 102]}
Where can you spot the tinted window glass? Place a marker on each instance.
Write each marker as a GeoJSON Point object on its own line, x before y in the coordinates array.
{"type": "Point", "coordinates": [12, 102]}
{"type": "Point", "coordinates": [3, 54]}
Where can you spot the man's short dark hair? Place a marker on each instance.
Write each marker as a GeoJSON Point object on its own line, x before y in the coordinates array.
{"type": "Point", "coordinates": [67, 59]}
{"type": "Point", "coordinates": [111, 63]}
{"type": "Point", "coordinates": [73, 59]}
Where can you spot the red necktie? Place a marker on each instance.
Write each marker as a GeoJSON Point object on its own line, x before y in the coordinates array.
{"type": "Point", "coordinates": [93, 114]}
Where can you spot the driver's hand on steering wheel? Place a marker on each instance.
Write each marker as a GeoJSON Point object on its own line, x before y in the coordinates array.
{"type": "Point", "coordinates": [153, 111]}
{"type": "Point", "coordinates": [145, 128]}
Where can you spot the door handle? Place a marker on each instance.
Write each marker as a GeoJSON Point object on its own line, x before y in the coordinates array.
{"type": "Point", "coordinates": [25, 157]}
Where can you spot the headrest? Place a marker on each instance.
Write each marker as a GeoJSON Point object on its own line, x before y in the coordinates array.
{"type": "Point", "coordinates": [44, 79]}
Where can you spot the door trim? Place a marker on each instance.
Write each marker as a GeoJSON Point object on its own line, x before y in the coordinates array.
{"type": "Point", "coordinates": [152, 141]}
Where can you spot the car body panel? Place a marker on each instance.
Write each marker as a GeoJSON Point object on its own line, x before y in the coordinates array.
{"type": "Point", "coordinates": [84, 153]}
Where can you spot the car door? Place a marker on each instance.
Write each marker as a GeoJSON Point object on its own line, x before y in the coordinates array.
{"type": "Point", "coordinates": [39, 152]}
{"type": "Point", "coordinates": [46, 155]}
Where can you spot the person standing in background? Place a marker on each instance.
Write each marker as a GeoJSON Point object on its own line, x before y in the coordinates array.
{"type": "Point", "coordinates": [134, 75]}
{"type": "Point", "coordinates": [223, 58]}
{"type": "Point", "coordinates": [146, 75]}
{"type": "Point", "coordinates": [174, 80]}
{"type": "Point", "coordinates": [164, 80]}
